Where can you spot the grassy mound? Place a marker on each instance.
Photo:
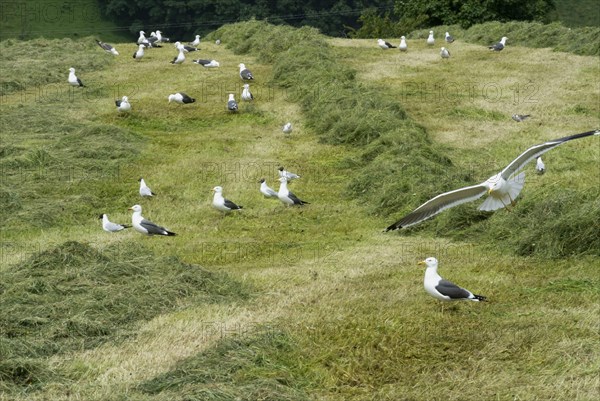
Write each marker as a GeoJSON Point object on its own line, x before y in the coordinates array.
{"type": "Point", "coordinates": [74, 297]}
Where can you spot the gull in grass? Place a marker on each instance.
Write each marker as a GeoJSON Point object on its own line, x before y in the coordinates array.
{"type": "Point", "coordinates": [231, 103]}
{"type": "Point", "coordinates": [246, 94]}
{"type": "Point", "coordinates": [520, 117]}
{"type": "Point", "coordinates": [502, 188]}
{"type": "Point", "coordinates": [245, 73]}
{"type": "Point", "coordinates": [267, 191]}
{"type": "Point", "coordinates": [160, 38]}
{"type": "Point", "coordinates": [449, 38]}
{"type": "Point", "coordinates": [196, 41]}
{"type": "Point", "coordinates": [497, 47]}
{"type": "Point", "coordinates": [287, 128]}
{"type": "Point", "coordinates": [430, 39]}
{"type": "Point", "coordinates": [145, 191]}
{"type": "Point", "coordinates": [444, 290]}
{"type": "Point", "coordinates": [286, 196]}
{"type": "Point", "coordinates": [403, 46]}
{"type": "Point", "coordinates": [222, 204]}
{"type": "Point", "coordinates": [123, 105]}
{"type": "Point", "coordinates": [385, 45]}
{"type": "Point", "coordinates": [73, 80]}
{"type": "Point", "coordinates": [218, 42]}
{"type": "Point", "coordinates": [540, 167]}
{"type": "Point", "coordinates": [180, 58]}
{"type": "Point", "coordinates": [289, 176]}
{"type": "Point", "coordinates": [111, 227]}
{"type": "Point", "coordinates": [142, 38]}
{"type": "Point", "coordinates": [207, 63]}
{"type": "Point", "coordinates": [107, 48]}
{"type": "Point", "coordinates": [185, 48]}
{"type": "Point", "coordinates": [140, 224]}
{"type": "Point", "coordinates": [444, 53]}
{"type": "Point", "coordinates": [137, 55]}
{"type": "Point", "coordinates": [181, 98]}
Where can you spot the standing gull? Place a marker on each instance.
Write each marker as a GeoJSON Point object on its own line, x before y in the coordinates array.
{"type": "Point", "coordinates": [73, 80]}
{"type": "Point", "coordinates": [144, 189]}
{"type": "Point", "coordinates": [222, 204]}
{"type": "Point", "coordinates": [218, 42]}
{"type": "Point", "coordinates": [520, 117]}
{"type": "Point", "coordinates": [540, 167]}
{"type": "Point", "coordinates": [231, 103]}
{"type": "Point", "coordinates": [385, 45]}
{"type": "Point", "coordinates": [142, 38]}
{"type": "Point", "coordinates": [139, 53]}
{"type": "Point", "coordinates": [444, 53]}
{"type": "Point", "coordinates": [502, 188]}
{"type": "Point", "coordinates": [287, 128]}
{"type": "Point", "coordinates": [284, 173]}
{"type": "Point", "coordinates": [245, 73]}
{"type": "Point", "coordinates": [144, 226]}
{"type": "Point", "coordinates": [287, 197]}
{"type": "Point", "coordinates": [499, 46]}
{"type": "Point", "coordinates": [111, 227]}
{"type": "Point", "coordinates": [246, 94]}
{"type": "Point", "coordinates": [267, 191]}
{"type": "Point", "coordinates": [444, 290]}
{"type": "Point", "coordinates": [107, 48]}
{"type": "Point", "coordinates": [185, 48]}
{"type": "Point", "coordinates": [449, 38]}
{"type": "Point", "coordinates": [123, 104]}
{"type": "Point", "coordinates": [430, 39]}
{"type": "Point", "coordinates": [403, 46]}
{"type": "Point", "coordinates": [196, 41]}
{"type": "Point", "coordinates": [180, 58]}
{"type": "Point", "coordinates": [207, 63]}
{"type": "Point", "coordinates": [181, 98]}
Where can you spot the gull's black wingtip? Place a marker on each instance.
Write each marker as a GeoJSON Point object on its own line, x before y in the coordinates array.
{"type": "Point", "coordinates": [393, 227]}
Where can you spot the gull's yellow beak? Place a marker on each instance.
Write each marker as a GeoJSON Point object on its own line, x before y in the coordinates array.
{"type": "Point", "coordinates": [490, 190]}
{"type": "Point", "coordinates": [422, 262]}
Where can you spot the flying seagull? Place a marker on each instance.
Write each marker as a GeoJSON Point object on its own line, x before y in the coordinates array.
{"type": "Point", "coordinates": [287, 128]}
{"type": "Point", "coordinates": [385, 45]}
{"type": "Point", "coordinates": [286, 197]}
{"type": "Point", "coordinates": [139, 53]}
{"type": "Point", "coordinates": [222, 204]}
{"type": "Point", "coordinates": [144, 189]}
{"type": "Point", "coordinates": [430, 39]}
{"type": "Point", "coordinates": [267, 191]}
{"type": "Point", "coordinates": [111, 227]}
{"type": "Point", "coordinates": [403, 46]}
{"type": "Point", "coordinates": [144, 226]}
{"type": "Point", "coordinates": [73, 80]}
{"type": "Point", "coordinates": [540, 167]}
{"type": "Point", "coordinates": [181, 98]}
{"type": "Point", "coordinates": [123, 104]}
{"type": "Point", "coordinates": [284, 173]}
{"type": "Point", "coordinates": [444, 290]}
{"type": "Point", "coordinates": [231, 103]}
{"type": "Point", "coordinates": [245, 73]}
{"type": "Point", "coordinates": [196, 41]}
{"type": "Point", "coordinates": [449, 38]}
{"type": "Point", "coordinates": [520, 117]}
{"type": "Point", "coordinates": [107, 48]}
{"type": "Point", "coordinates": [207, 63]}
{"type": "Point", "coordinates": [502, 188]}
{"type": "Point", "coordinates": [444, 53]}
{"type": "Point", "coordinates": [499, 46]}
{"type": "Point", "coordinates": [246, 94]}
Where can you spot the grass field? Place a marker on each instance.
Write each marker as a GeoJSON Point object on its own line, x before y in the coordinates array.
{"type": "Point", "coordinates": [278, 303]}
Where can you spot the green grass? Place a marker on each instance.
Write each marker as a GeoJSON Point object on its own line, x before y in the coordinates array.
{"type": "Point", "coordinates": [311, 303]}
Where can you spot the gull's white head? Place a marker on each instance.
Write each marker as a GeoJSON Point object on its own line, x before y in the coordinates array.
{"type": "Point", "coordinates": [231, 97]}
{"type": "Point", "coordinates": [218, 189]}
{"type": "Point", "coordinates": [503, 40]}
{"type": "Point", "coordinates": [125, 99]}
{"type": "Point", "coordinates": [72, 70]}
{"type": "Point", "coordinates": [447, 34]}
{"type": "Point", "coordinates": [172, 97]}
{"type": "Point", "coordinates": [431, 32]}
{"type": "Point", "coordinates": [177, 44]}
{"type": "Point", "coordinates": [136, 208]}
{"type": "Point", "coordinates": [142, 33]}
{"type": "Point", "coordinates": [246, 86]}
{"type": "Point", "coordinates": [283, 179]}
{"type": "Point", "coordinates": [141, 47]}
{"type": "Point", "coordinates": [242, 66]}
{"type": "Point", "coordinates": [430, 262]}
{"type": "Point", "coordinates": [402, 37]}
{"type": "Point", "coordinates": [197, 36]}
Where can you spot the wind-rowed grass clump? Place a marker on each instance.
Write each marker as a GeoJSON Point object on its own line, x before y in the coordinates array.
{"type": "Point", "coordinates": [74, 297]}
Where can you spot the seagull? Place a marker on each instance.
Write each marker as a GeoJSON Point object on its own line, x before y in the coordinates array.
{"type": "Point", "coordinates": [385, 45]}
{"type": "Point", "coordinates": [111, 227]}
{"type": "Point", "coordinates": [108, 48]}
{"type": "Point", "coordinates": [403, 46]}
{"type": "Point", "coordinates": [502, 188]}
{"type": "Point", "coordinates": [430, 39]}
{"type": "Point", "coordinates": [140, 52]}
{"type": "Point", "coordinates": [267, 191]}
{"type": "Point", "coordinates": [144, 189]}
{"type": "Point", "coordinates": [540, 167]}
{"type": "Point", "coordinates": [142, 39]}
{"type": "Point", "coordinates": [499, 46]}
{"type": "Point", "coordinates": [231, 103]}
{"type": "Point", "coordinates": [449, 38]}
{"type": "Point", "coordinates": [246, 94]}
{"type": "Point", "coordinates": [286, 196]}
{"type": "Point", "coordinates": [287, 128]}
{"type": "Point", "coordinates": [144, 226]}
{"type": "Point", "coordinates": [152, 41]}
{"type": "Point", "coordinates": [222, 204]}
{"type": "Point", "coordinates": [160, 38]}
{"type": "Point", "coordinates": [73, 80]}
{"type": "Point", "coordinates": [181, 98]}
{"type": "Point", "coordinates": [185, 48]}
{"type": "Point", "coordinates": [196, 41]}
{"type": "Point", "coordinates": [245, 73]}
{"type": "Point", "coordinates": [444, 290]}
{"type": "Point", "coordinates": [287, 174]}
{"type": "Point", "coordinates": [444, 53]}
{"type": "Point", "coordinates": [207, 63]}
{"type": "Point", "coordinates": [218, 42]}
{"type": "Point", "coordinates": [180, 58]}
{"type": "Point", "coordinates": [520, 117]}
{"type": "Point", "coordinates": [123, 104]}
